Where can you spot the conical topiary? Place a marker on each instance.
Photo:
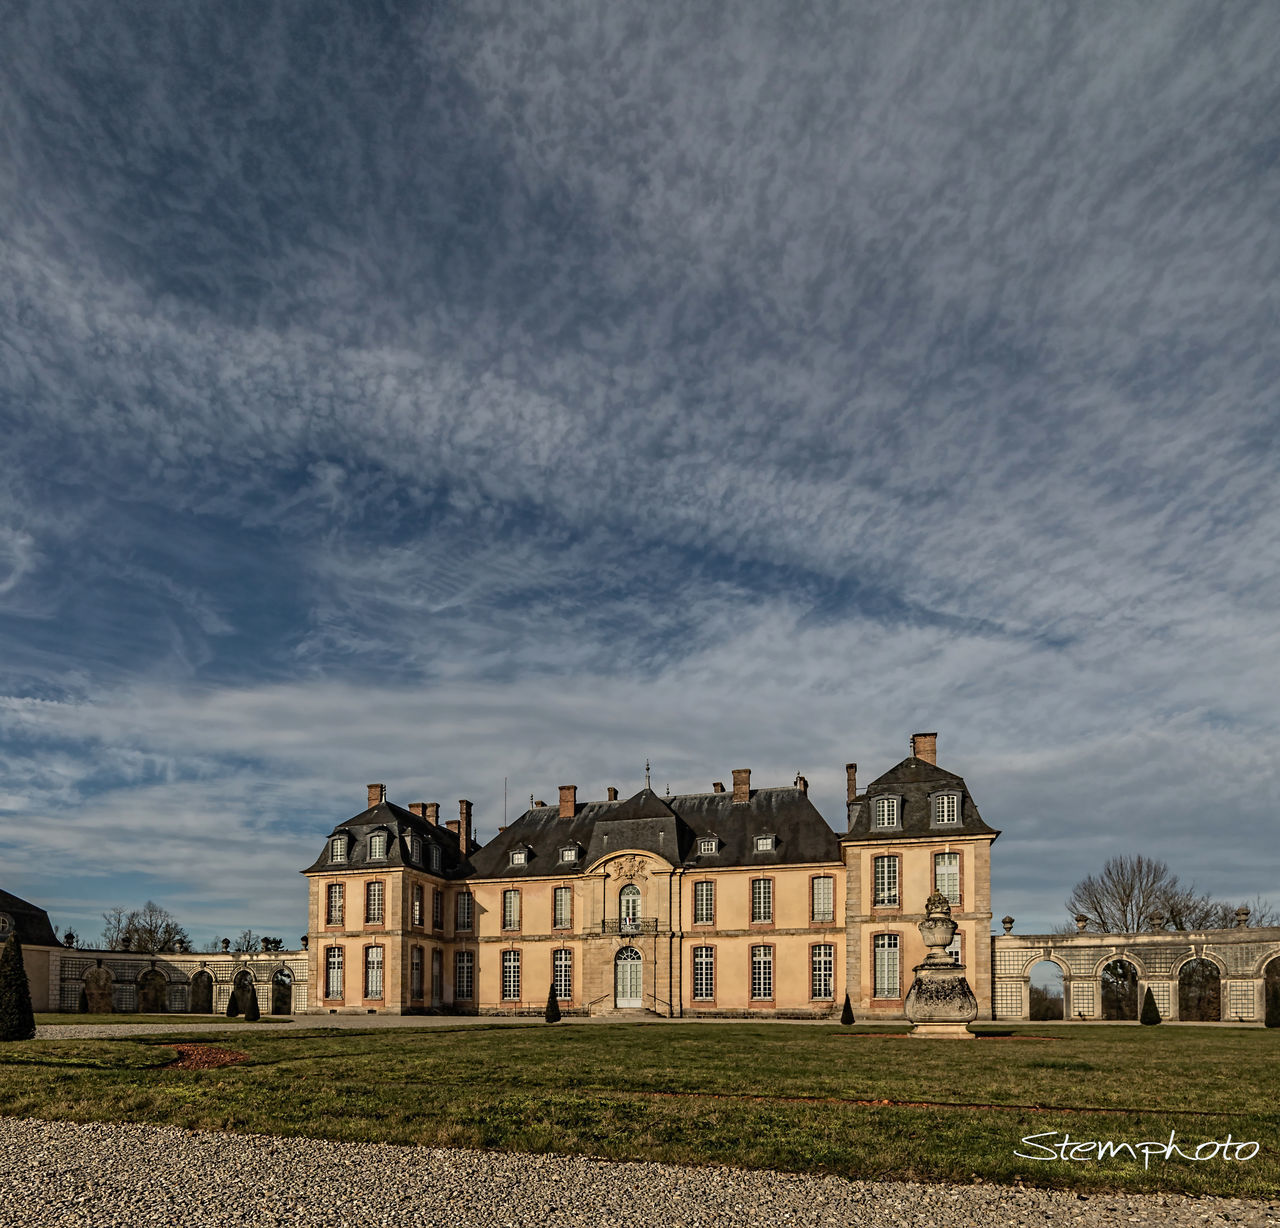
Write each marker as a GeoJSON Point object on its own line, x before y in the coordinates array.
{"type": "Point", "coordinates": [552, 1013]}
{"type": "Point", "coordinates": [1150, 1012]}
{"type": "Point", "coordinates": [846, 1015]}
{"type": "Point", "coordinates": [251, 1011]}
{"type": "Point", "coordinates": [233, 1004]}
{"type": "Point", "coordinates": [17, 1020]}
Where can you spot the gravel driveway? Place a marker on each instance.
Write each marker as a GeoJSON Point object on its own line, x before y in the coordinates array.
{"type": "Point", "coordinates": [101, 1176]}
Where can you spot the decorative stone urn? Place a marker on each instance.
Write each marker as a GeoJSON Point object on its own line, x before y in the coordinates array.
{"type": "Point", "coordinates": [940, 1002]}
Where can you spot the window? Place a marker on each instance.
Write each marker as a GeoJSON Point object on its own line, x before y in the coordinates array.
{"type": "Point", "coordinates": [464, 910]}
{"type": "Point", "coordinates": [822, 963]}
{"type": "Point", "coordinates": [708, 845]}
{"type": "Point", "coordinates": [629, 905]}
{"type": "Point", "coordinates": [464, 975]}
{"type": "Point", "coordinates": [886, 812]}
{"type": "Point", "coordinates": [562, 908]}
{"type": "Point", "coordinates": [569, 854]}
{"type": "Point", "coordinates": [764, 844]}
{"type": "Point", "coordinates": [415, 849]}
{"type": "Point", "coordinates": [946, 876]}
{"type": "Point", "coordinates": [437, 977]}
{"type": "Point", "coordinates": [333, 972]}
{"type": "Point", "coordinates": [511, 910]}
{"type": "Point", "coordinates": [762, 972]}
{"type": "Point", "coordinates": [333, 905]}
{"type": "Point", "coordinates": [562, 973]}
{"type": "Point", "coordinates": [435, 859]}
{"type": "Point", "coordinates": [415, 973]}
{"type": "Point", "coordinates": [704, 974]}
{"type": "Point", "coordinates": [417, 903]}
{"type": "Point", "coordinates": [511, 976]}
{"type": "Point", "coordinates": [954, 949]}
{"type": "Point", "coordinates": [338, 848]}
{"type": "Point", "coordinates": [437, 909]}
{"type": "Point", "coordinates": [704, 904]}
{"type": "Point", "coordinates": [519, 857]}
{"type": "Point", "coordinates": [823, 892]}
{"type": "Point", "coordinates": [946, 808]}
{"type": "Point", "coordinates": [761, 901]}
{"type": "Point", "coordinates": [378, 846]}
{"type": "Point", "coordinates": [888, 981]}
{"type": "Point", "coordinates": [373, 972]}
{"type": "Point", "coordinates": [886, 885]}
{"type": "Point", "coordinates": [373, 898]}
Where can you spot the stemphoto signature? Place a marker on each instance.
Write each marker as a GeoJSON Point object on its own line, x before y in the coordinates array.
{"type": "Point", "coordinates": [1106, 1149]}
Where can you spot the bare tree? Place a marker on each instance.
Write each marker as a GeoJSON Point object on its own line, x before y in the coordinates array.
{"type": "Point", "coordinates": [149, 929]}
{"type": "Point", "coordinates": [248, 941]}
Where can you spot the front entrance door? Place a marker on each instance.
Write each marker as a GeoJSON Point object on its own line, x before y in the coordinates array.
{"type": "Point", "coordinates": [628, 978]}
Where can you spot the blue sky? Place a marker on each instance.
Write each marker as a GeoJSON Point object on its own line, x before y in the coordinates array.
{"type": "Point", "coordinates": [438, 394]}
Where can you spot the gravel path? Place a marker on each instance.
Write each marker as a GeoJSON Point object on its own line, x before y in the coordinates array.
{"type": "Point", "coordinates": [104, 1176]}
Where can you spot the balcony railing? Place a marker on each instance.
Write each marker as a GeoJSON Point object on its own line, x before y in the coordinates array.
{"type": "Point", "coordinates": [629, 925]}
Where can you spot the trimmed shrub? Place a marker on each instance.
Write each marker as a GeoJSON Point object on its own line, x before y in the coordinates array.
{"type": "Point", "coordinates": [1272, 1016]}
{"type": "Point", "coordinates": [17, 1020]}
{"type": "Point", "coordinates": [552, 1013]}
{"type": "Point", "coordinates": [846, 1015]}
{"type": "Point", "coordinates": [233, 1003]}
{"type": "Point", "coordinates": [252, 1012]}
{"type": "Point", "coordinates": [1150, 1012]}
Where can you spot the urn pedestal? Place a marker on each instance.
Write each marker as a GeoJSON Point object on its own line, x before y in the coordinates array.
{"type": "Point", "coordinates": [940, 1002]}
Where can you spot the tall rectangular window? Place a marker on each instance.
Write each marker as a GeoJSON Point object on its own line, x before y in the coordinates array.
{"type": "Point", "coordinates": [464, 910]}
{"type": "Point", "coordinates": [945, 808]}
{"type": "Point", "coordinates": [704, 904]}
{"type": "Point", "coordinates": [333, 905]}
{"type": "Point", "coordinates": [822, 965]}
{"type": "Point", "coordinates": [373, 903]}
{"type": "Point", "coordinates": [562, 971]}
{"type": "Point", "coordinates": [704, 974]}
{"type": "Point", "coordinates": [886, 884]}
{"type": "Point", "coordinates": [886, 812]}
{"type": "Point", "coordinates": [761, 900]}
{"type": "Point", "coordinates": [762, 972]}
{"type": "Point", "coordinates": [437, 977]}
{"type": "Point", "coordinates": [824, 899]}
{"type": "Point", "coordinates": [511, 976]}
{"type": "Point", "coordinates": [373, 972]}
{"type": "Point", "coordinates": [417, 903]}
{"type": "Point", "coordinates": [333, 972]}
{"type": "Point", "coordinates": [378, 846]}
{"type": "Point", "coordinates": [338, 848]}
{"type": "Point", "coordinates": [415, 973]}
{"type": "Point", "coordinates": [464, 973]}
{"type": "Point", "coordinates": [946, 876]}
{"type": "Point", "coordinates": [437, 908]}
{"type": "Point", "coordinates": [511, 910]}
{"type": "Point", "coordinates": [888, 979]}
{"type": "Point", "coordinates": [561, 908]}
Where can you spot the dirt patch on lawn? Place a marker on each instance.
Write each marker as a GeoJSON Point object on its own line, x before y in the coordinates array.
{"type": "Point", "coordinates": [204, 1057]}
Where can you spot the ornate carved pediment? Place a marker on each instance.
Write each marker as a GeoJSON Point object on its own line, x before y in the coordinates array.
{"type": "Point", "coordinates": [630, 867]}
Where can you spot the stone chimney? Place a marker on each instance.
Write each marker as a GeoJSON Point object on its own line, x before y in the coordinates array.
{"type": "Point", "coordinates": [455, 826]}
{"type": "Point", "coordinates": [851, 782]}
{"type": "Point", "coordinates": [717, 786]}
{"type": "Point", "coordinates": [925, 746]}
{"type": "Point", "coordinates": [377, 793]}
{"type": "Point", "coordinates": [613, 794]}
{"type": "Point", "coordinates": [568, 800]}
{"type": "Point", "coordinates": [741, 785]}
{"type": "Point", "coordinates": [464, 826]}
{"type": "Point", "coordinates": [540, 805]}
{"type": "Point", "coordinates": [431, 812]}
{"type": "Point", "coordinates": [802, 783]}
{"type": "Point", "coordinates": [418, 808]}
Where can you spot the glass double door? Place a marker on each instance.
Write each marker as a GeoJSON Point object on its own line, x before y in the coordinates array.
{"type": "Point", "coordinates": [628, 978]}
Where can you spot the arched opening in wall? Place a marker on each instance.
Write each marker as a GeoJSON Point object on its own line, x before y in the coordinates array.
{"type": "Point", "coordinates": [629, 909]}
{"type": "Point", "coordinates": [1199, 992]}
{"type": "Point", "coordinates": [282, 992]}
{"type": "Point", "coordinates": [202, 993]}
{"type": "Point", "coordinates": [153, 993]}
{"type": "Point", "coordinates": [1047, 999]}
{"type": "Point", "coordinates": [628, 978]}
{"type": "Point", "coordinates": [1120, 991]}
{"type": "Point", "coordinates": [242, 990]}
{"type": "Point", "coordinates": [1271, 992]}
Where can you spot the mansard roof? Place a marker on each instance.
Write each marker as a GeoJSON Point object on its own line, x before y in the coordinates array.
{"type": "Point", "coordinates": [667, 827]}
{"type": "Point", "coordinates": [30, 922]}
{"type": "Point", "coordinates": [398, 823]}
{"type": "Point", "coordinates": [915, 781]}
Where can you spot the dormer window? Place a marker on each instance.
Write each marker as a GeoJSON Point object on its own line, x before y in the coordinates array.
{"type": "Point", "coordinates": [415, 848]}
{"type": "Point", "coordinates": [946, 808]}
{"type": "Point", "coordinates": [435, 859]}
{"type": "Point", "coordinates": [338, 848]}
{"type": "Point", "coordinates": [519, 857]}
{"type": "Point", "coordinates": [886, 812]}
{"type": "Point", "coordinates": [569, 854]}
{"type": "Point", "coordinates": [765, 844]}
{"type": "Point", "coordinates": [378, 846]}
{"type": "Point", "coordinates": [708, 846]}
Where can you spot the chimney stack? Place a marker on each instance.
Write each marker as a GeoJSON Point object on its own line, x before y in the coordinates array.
{"type": "Point", "coordinates": [377, 793]}
{"type": "Point", "coordinates": [802, 783]}
{"type": "Point", "coordinates": [540, 805]}
{"type": "Point", "coordinates": [741, 785]}
{"type": "Point", "coordinates": [925, 746]}
{"type": "Point", "coordinates": [431, 812]}
{"type": "Point", "coordinates": [418, 808]}
{"type": "Point", "coordinates": [464, 826]}
{"type": "Point", "coordinates": [717, 786]}
{"type": "Point", "coordinates": [568, 800]}
{"type": "Point", "coordinates": [613, 794]}
{"type": "Point", "coordinates": [851, 782]}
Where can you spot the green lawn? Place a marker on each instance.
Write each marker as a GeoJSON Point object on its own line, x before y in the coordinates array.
{"type": "Point", "coordinates": [758, 1095]}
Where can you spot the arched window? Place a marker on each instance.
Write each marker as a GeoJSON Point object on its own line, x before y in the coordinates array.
{"type": "Point", "coordinates": [629, 904]}
{"type": "Point", "coordinates": [1199, 991]}
{"type": "Point", "coordinates": [1047, 998]}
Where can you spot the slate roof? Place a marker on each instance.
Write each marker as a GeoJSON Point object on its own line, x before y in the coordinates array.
{"type": "Point", "coordinates": [915, 781]}
{"type": "Point", "coordinates": [30, 922]}
{"type": "Point", "coordinates": [668, 827]}
{"type": "Point", "coordinates": [399, 825]}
